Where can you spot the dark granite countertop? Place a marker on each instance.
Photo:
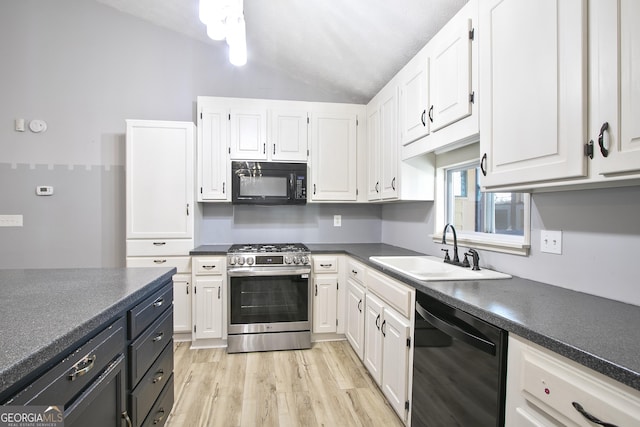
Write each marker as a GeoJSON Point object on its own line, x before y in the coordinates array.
{"type": "Point", "coordinates": [596, 332]}
{"type": "Point", "coordinates": [47, 312]}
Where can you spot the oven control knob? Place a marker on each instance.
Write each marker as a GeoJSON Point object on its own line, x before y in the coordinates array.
{"type": "Point", "coordinates": [240, 260]}
{"type": "Point", "coordinates": [288, 260]}
{"type": "Point", "coordinates": [296, 259]}
{"type": "Point", "coordinates": [250, 261]}
{"type": "Point", "coordinates": [232, 260]}
{"type": "Point", "coordinates": [305, 260]}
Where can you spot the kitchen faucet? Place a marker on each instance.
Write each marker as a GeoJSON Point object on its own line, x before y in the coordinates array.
{"type": "Point", "coordinates": [456, 259]}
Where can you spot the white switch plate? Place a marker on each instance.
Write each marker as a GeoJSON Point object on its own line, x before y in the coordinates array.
{"type": "Point", "coordinates": [10, 220]}
{"type": "Point", "coordinates": [551, 241]}
{"type": "Point", "coordinates": [337, 220]}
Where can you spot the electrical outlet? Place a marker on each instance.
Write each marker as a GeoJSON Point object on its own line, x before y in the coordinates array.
{"type": "Point", "coordinates": [337, 220]}
{"type": "Point", "coordinates": [551, 241]}
{"type": "Point", "coordinates": [10, 220]}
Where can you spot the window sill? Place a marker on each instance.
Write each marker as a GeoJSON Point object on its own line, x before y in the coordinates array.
{"type": "Point", "coordinates": [503, 244]}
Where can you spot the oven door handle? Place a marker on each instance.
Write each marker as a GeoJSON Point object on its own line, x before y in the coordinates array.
{"type": "Point", "coordinates": [267, 272]}
{"type": "Point", "coordinates": [470, 336]}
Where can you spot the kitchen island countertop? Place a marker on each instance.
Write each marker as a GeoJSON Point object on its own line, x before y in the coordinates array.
{"type": "Point", "coordinates": [46, 312]}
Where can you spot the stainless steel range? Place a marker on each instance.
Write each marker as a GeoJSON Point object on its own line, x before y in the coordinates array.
{"type": "Point", "coordinates": [269, 297]}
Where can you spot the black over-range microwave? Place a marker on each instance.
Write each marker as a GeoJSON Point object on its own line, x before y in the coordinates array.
{"type": "Point", "coordinates": [268, 183]}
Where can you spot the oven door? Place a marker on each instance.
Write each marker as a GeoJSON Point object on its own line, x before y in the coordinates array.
{"type": "Point", "coordinates": [269, 299]}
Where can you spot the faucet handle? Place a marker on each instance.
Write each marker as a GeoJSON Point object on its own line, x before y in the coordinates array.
{"type": "Point", "coordinates": [465, 261]}
{"type": "Point", "coordinates": [447, 258]}
{"type": "Point", "coordinates": [476, 259]}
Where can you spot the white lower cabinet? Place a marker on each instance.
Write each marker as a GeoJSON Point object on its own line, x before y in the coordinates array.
{"type": "Point", "coordinates": [354, 328]}
{"type": "Point", "coordinates": [326, 297]}
{"type": "Point", "coordinates": [546, 389]}
{"type": "Point", "coordinates": [209, 298]}
{"type": "Point", "coordinates": [182, 303]}
{"type": "Point", "coordinates": [385, 332]}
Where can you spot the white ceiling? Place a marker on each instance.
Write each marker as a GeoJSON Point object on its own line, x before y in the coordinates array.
{"type": "Point", "coordinates": [350, 46]}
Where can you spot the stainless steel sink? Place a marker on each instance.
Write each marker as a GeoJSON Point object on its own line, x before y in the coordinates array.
{"type": "Point", "coordinates": [430, 268]}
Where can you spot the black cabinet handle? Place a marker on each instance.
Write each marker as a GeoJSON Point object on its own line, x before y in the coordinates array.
{"type": "Point", "coordinates": [393, 183]}
{"type": "Point", "coordinates": [314, 189]}
{"type": "Point", "coordinates": [378, 187]}
{"type": "Point", "coordinates": [274, 148]}
{"type": "Point", "coordinates": [360, 306]}
{"type": "Point", "coordinates": [159, 261]}
{"type": "Point", "coordinates": [264, 148]}
{"type": "Point", "coordinates": [578, 407]}
{"type": "Point", "coordinates": [431, 114]}
{"type": "Point", "coordinates": [603, 129]}
{"type": "Point", "coordinates": [378, 322]}
{"type": "Point", "coordinates": [384, 322]}
{"type": "Point", "coordinates": [316, 290]}
{"type": "Point", "coordinates": [483, 164]}
{"type": "Point", "coordinates": [159, 243]}
{"type": "Point", "coordinates": [422, 117]}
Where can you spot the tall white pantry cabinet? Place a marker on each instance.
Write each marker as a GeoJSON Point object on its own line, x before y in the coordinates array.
{"type": "Point", "coordinates": [161, 212]}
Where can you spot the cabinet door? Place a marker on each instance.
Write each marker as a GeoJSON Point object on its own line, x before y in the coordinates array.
{"type": "Point", "coordinates": [181, 303]}
{"type": "Point", "coordinates": [333, 157]}
{"type": "Point", "coordinates": [624, 152]}
{"type": "Point", "coordinates": [450, 74]}
{"type": "Point", "coordinates": [248, 134]}
{"type": "Point", "coordinates": [325, 303]}
{"type": "Point", "coordinates": [159, 179]}
{"type": "Point", "coordinates": [289, 136]}
{"type": "Point", "coordinates": [355, 317]}
{"type": "Point", "coordinates": [395, 360]}
{"type": "Point", "coordinates": [373, 152]}
{"type": "Point", "coordinates": [389, 144]}
{"type": "Point", "coordinates": [373, 337]}
{"type": "Point", "coordinates": [533, 80]}
{"type": "Point", "coordinates": [414, 100]}
{"type": "Point", "coordinates": [213, 161]}
{"type": "Point", "coordinates": [208, 307]}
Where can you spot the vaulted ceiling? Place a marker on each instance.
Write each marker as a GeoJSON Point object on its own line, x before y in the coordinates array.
{"type": "Point", "coordinates": [351, 46]}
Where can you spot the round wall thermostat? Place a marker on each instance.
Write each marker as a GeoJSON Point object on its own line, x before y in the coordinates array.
{"type": "Point", "coordinates": [37, 126]}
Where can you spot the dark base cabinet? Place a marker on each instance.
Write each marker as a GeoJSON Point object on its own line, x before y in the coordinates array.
{"type": "Point", "coordinates": [122, 377]}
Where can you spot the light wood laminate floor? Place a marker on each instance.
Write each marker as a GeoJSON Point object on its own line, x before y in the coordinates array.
{"type": "Point", "coordinates": [326, 385]}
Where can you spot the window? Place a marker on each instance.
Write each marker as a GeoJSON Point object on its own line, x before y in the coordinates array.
{"type": "Point", "coordinates": [492, 221]}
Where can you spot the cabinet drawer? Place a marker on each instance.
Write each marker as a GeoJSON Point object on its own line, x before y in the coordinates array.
{"type": "Point", "coordinates": [325, 264]}
{"type": "Point", "coordinates": [158, 415]}
{"type": "Point", "coordinates": [209, 265]}
{"type": "Point", "coordinates": [181, 263]}
{"type": "Point", "coordinates": [355, 271]}
{"type": "Point", "coordinates": [393, 292]}
{"type": "Point", "coordinates": [143, 314]}
{"type": "Point", "coordinates": [64, 381]}
{"type": "Point", "coordinates": [159, 247]}
{"type": "Point", "coordinates": [553, 383]}
{"type": "Point", "coordinates": [150, 386]}
{"type": "Point", "coordinates": [144, 350]}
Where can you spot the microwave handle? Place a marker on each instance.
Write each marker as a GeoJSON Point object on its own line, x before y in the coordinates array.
{"type": "Point", "coordinates": [292, 186]}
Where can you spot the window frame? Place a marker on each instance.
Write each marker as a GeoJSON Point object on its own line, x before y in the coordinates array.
{"type": "Point", "coordinates": [468, 157]}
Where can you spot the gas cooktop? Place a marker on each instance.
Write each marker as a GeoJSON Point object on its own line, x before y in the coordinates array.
{"type": "Point", "coordinates": [265, 255]}
{"type": "Point", "coordinates": [265, 247]}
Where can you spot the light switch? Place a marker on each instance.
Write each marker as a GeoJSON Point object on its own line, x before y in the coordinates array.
{"type": "Point", "coordinates": [10, 220]}
{"type": "Point", "coordinates": [551, 241]}
{"type": "Point", "coordinates": [337, 220]}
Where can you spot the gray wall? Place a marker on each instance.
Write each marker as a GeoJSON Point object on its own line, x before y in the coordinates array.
{"type": "Point", "coordinates": [600, 240]}
{"type": "Point", "coordinates": [84, 68]}
{"type": "Point", "coordinates": [312, 223]}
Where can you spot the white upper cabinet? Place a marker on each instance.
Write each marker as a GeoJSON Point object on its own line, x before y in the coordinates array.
{"type": "Point", "coordinates": [450, 73]}
{"type": "Point", "coordinates": [616, 23]}
{"type": "Point", "coordinates": [333, 155]}
{"type": "Point", "coordinates": [533, 76]}
{"type": "Point", "coordinates": [213, 159]}
{"type": "Point", "coordinates": [289, 135]}
{"type": "Point", "coordinates": [373, 152]}
{"type": "Point", "coordinates": [248, 134]}
{"type": "Point", "coordinates": [414, 99]}
{"type": "Point", "coordinates": [389, 144]}
{"type": "Point", "coordinates": [160, 180]}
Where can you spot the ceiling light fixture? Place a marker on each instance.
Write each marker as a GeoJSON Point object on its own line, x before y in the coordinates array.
{"type": "Point", "coordinates": [225, 20]}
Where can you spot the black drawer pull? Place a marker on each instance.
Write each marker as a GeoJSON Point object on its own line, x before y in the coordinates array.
{"type": "Point", "coordinates": [578, 407]}
{"type": "Point", "coordinates": [158, 302]}
{"type": "Point", "coordinates": [208, 267]}
{"type": "Point", "coordinates": [326, 265]}
{"type": "Point", "coordinates": [157, 420]}
{"type": "Point", "coordinates": [354, 272]}
{"type": "Point", "coordinates": [158, 337]}
{"type": "Point", "coordinates": [159, 375]}
{"type": "Point", "coordinates": [82, 367]}
{"type": "Point", "coordinates": [159, 261]}
{"type": "Point", "coordinates": [159, 243]}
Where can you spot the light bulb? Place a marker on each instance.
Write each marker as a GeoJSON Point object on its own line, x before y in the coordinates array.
{"type": "Point", "coordinates": [217, 29]}
{"type": "Point", "coordinates": [238, 54]}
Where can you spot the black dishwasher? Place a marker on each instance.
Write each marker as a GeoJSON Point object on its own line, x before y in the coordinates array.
{"type": "Point", "coordinates": [459, 368]}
